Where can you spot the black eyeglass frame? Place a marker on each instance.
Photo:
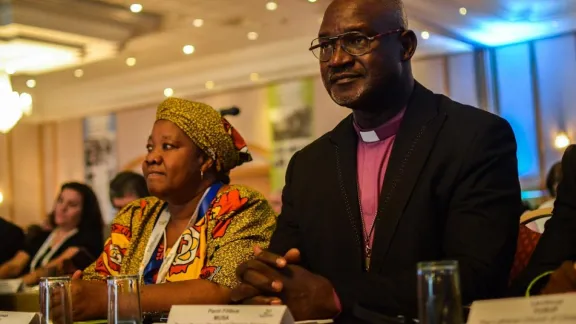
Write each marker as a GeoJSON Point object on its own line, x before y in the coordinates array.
{"type": "Point", "coordinates": [334, 39]}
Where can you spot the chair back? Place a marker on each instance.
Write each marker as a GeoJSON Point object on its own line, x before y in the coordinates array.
{"type": "Point", "coordinates": [528, 237]}
{"type": "Point", "coordinates": [527, 241]}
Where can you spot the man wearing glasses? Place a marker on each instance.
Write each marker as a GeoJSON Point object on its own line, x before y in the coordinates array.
{"type": "Point", "coordinates": [409, 176]}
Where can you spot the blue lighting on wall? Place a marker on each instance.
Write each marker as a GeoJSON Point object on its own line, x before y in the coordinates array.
{"type": "Point", "coordinates": [516, 104]}
{"type": "Point", "coordinates": [492, 32]}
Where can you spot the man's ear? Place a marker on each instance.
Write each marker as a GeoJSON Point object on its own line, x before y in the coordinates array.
{"type": "Point", "coordinates": [409, 43]}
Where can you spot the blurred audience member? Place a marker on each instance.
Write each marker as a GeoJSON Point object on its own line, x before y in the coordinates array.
{"type": "Point", "coordinates": [551, 268]}
{"type": "Point", "coordinates": [11, 240]}
{"type": "Point", "coordinates": [552, 180]}
{"type": "Point", "coordinates": [77, 224]}
{"type": "Point", "coordinates": [187, 239]}
{"type": "Point", "coordinates": [126, 187]}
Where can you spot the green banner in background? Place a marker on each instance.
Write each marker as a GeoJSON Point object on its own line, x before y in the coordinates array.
{"type": "Point", "coordinates": [290, 114]}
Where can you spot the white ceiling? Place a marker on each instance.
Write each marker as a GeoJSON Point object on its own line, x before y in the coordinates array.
{"type": "Point", "coordinates": [294, 22]}
{"type": "Point", "coordinates": [227, 22]}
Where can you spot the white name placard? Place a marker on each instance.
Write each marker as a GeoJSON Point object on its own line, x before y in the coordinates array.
{"type": "Point", "coordinates": [18, 318]}
{"type": "Point", "coordinates": [10, 286]}
{"type": "Point", "coordinates": [557, 309]}
{"type": "Point", "coordinates": [229, 314]}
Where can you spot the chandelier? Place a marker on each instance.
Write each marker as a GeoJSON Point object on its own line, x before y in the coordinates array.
{"type": "Point", "coordinates": [13, 105]}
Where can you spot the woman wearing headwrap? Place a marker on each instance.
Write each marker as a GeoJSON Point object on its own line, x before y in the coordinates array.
{"type": "Point", "coordinates": [187, 239]}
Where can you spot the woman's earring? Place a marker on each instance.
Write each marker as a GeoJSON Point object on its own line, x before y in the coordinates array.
{"type": "Point", "coordinates": [201, 175]}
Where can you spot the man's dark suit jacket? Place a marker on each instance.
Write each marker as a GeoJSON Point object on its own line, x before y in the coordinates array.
{"type": "Point", "coordinates": [451, 191]}
{"type": "Point", "coordinates": [558, 243]}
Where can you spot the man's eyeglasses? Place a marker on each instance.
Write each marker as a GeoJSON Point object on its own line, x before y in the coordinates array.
{"type": "Point", "coordinates": [353, 43]}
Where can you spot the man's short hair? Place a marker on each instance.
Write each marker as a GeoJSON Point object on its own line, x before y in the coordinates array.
{"type": "Point", "coordinates": [126, 183]}
{"type": "Point", "coordinates": [400, 13]}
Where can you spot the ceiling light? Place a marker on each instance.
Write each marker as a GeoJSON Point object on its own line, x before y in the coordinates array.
{"type": "Point", "coordinates": [198, 22]}
{"type": "Point", "coordinates": [254, 77]}
{"type": "Point", "coordinates": [252, 35]}
{"type": "Point", "coordinates": [463, 11]}
{"type": "Point", "coordinates": [79, 73]}
{"type": "Point", "coordinates": [561, 141]}
{"type": "Point", "coordinates": [425, 35]}
{"type": "Point", "coordinates": [31, 83]}
{"type": "Point", "coordinates": [312, 1]}
{"type": "Point", "coordinates": [209, 85]}
{"type": "Point", "coordinates": [14, 104]}
{"type": "Point", "coordinates": [136, 7]}
{"type": "Point", "coordinates": [271, 5]}
{"type": "Point", "coordinates": [10, 70]}
{"type": "Point", "coordinates": [188, 49]}
{"type": "Point", "coordinates": [131, 61]}
{"type": "Point", "coordinates": [168, 92]}
{"type": "Point", "coordinates": [1, 198]}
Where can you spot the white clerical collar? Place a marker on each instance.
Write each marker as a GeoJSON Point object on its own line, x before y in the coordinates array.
{"type": "Point", "coordinates": [369, 136]}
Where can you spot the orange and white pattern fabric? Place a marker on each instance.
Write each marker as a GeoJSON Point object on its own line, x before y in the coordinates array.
{"type": "Point", "coordinates": [211, 249]}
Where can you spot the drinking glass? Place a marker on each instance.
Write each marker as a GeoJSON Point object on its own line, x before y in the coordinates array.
{"type": "Point", "coordinates": [55, 300]}
{"type": "Point", "coordinates": [124, 300]}
{"type": "Point", "coordinates": [439, 299]}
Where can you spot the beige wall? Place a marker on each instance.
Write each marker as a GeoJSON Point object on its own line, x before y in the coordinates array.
{"type": "Point", "coordinates": [44, 156]}
{"type": "Point", "coordinates": [5, 177]}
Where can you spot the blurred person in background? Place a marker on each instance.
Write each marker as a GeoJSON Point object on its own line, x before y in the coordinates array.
{"type": "Point", "coordinates": [551, 268]}
{"type": "Point", "coordinates": [126, 187]}
{"type": "Point", "coordinates": [77, 223]}
{"type": "Point", "coordinates": [552, 180]}
{"type": "Point", "coordinates": [11, 240]}
{"type": "Point", "coordinates": [187, 239]}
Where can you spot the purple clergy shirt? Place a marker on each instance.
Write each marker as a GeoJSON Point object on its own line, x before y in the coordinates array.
{"type": "Point", "coordinates": [374, 148]}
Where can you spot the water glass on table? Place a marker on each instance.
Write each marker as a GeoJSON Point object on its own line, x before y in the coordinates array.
{"type": "Point", "coordinates": [124, 300]}
{"type": "Point", "coordinates": [55, 300]}
{"type": "Point", "coordinates": [439, 299]}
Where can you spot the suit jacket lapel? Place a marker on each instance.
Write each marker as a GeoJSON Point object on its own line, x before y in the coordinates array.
{"type": "Point", "coordinates": [345, 141]}
{"type": "Point", "coordinates": [414, 142]}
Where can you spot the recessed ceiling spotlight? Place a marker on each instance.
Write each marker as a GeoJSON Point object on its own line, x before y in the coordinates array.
{"type": "Point", "coordinates": [188, 49]}
{"type": "Point", "coordinates": [131, 61]}
{"type": "Point", "coordinates": [168, 92]}
{"type": "Point", "coordinates": [10, 70]}
{"type": "Point", "coordinates": [252, 35]}
{"type": "Point", "coordinates": [198, 22]}
{"type": "Point", "coordinates": [31, 83]}
{"type": "Point", "coordinates": [209, 84]}
{"type": "Point", "coordinates": [425, 35]}
{"type": "Point", "coordinates": [136, 7]}
{"type": "Point", "coordinates": [271, 5]}
{"type": "Point", "coordinates": [78, 73]}
{"type": "Point", "coordinates": [312, 1]}
{"type": "Point", "coordinates": [463, 11]}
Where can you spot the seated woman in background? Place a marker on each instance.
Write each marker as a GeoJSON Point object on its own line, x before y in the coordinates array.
{"type": "Point", "coordinates": [77, 224]}
{"type": "Point", "coordinates": [551, 268]}
{"type": "Point", "coordinates": [186, 241]}
{"type": "Point", "coordinates": [552, 181]}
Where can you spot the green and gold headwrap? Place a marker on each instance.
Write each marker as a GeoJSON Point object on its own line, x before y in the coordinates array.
{"type": "Point", "coordinates": [211, 132]}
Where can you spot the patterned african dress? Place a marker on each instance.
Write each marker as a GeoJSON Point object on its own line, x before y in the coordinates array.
{"type": "Point", "coordinates": [237, 219]}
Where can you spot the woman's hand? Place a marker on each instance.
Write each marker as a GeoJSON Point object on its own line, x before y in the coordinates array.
{"type": "Point", "coordinates": [89, 299]}
{"type": "Point", "coordinates": [563, 280]}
